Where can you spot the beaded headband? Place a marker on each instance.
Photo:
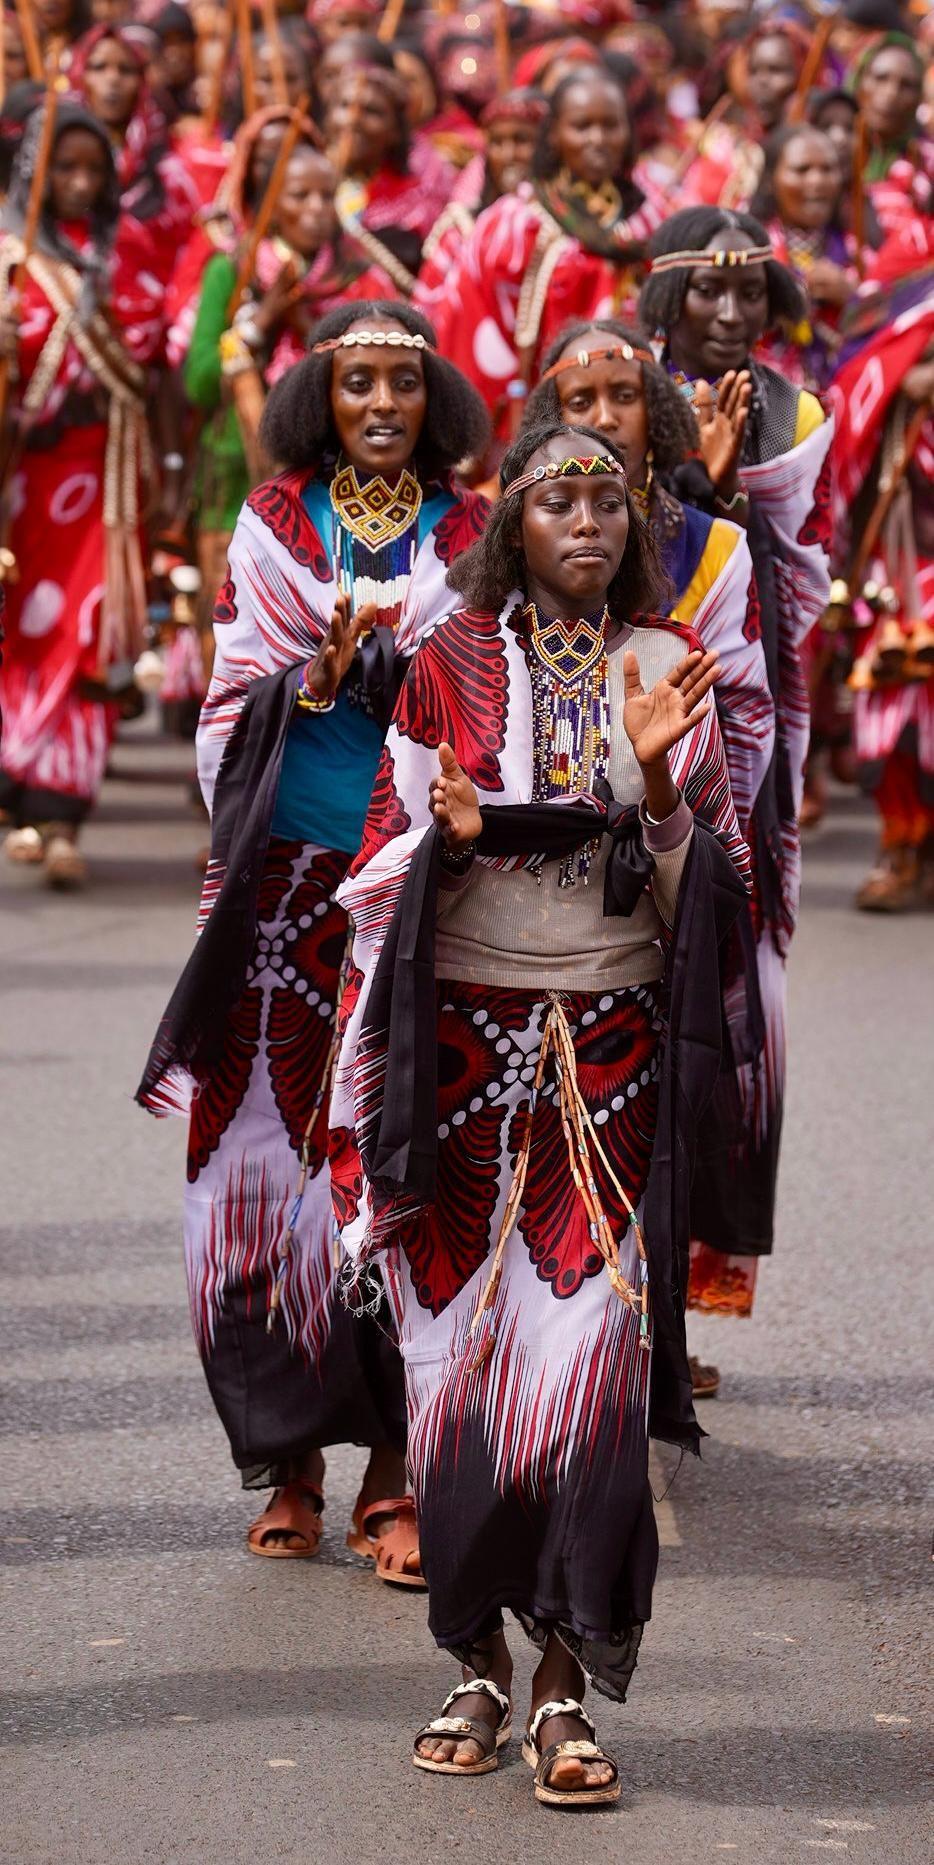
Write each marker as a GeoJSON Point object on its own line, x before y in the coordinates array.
{"type": "Point", "coordinates": [623, 352]}
{"type": "Point", "coordinates": [744, 256]}
{"type": "Point", "coordinates": [394, 339]}
{"type": "Point", "coordinates": [587, 465]}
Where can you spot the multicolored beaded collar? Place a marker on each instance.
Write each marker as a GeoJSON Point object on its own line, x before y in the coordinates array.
{"type": "Point", "coordinates": [617, 352]}
{"type": "Point", "coordinates": [576, 467]}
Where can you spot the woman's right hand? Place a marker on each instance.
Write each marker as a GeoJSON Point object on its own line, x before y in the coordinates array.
{"type": "Point", "coordinates": [721, 421]}
{"type": "Point", "coordinates": [454, 803]}
{"type": "Point", "coordinates": [275, 304]}
{"type": "Point", "coordinates": [324, 674]}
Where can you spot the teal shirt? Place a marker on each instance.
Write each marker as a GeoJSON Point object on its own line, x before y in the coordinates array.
{"type": "Point", "coordinates": [328, 768]}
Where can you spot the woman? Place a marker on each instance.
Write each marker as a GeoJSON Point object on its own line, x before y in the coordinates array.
{"type": "Point", "coordinates": [61, 24]}
{"type": "Point", "coordinates": [395, 184]}
{"type": "Point", "coordinates": [502, 1194]}
{"type": "Point", "coordinates": [441, 120]}
{"type": "Point", "coordinates": [713, 291]}
{"type": "Point", "coordinates": [800, 203]}
{"type": "Point", "coordinates": [885, 381]}
{"type": "Point", "coordinates": [569, 245]}
{"type": "Point", "coordinates": [728, 165]}
{"type": "Point", "coordinates": [305, 267]}
{"type": "Point", "coordinates": [75, 614]}
{"type": "Point", "coordinates": [158, 197]}
{"type": "Point", "coordinates": [336, 566]}
{"type": "Point", "coordinates": [888, 84]}
{"type": "Point", "coordinates": [511, 125]}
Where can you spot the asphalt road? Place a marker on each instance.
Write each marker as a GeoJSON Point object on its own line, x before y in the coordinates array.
{"type": "Point", "coordinates": [166, 1697]}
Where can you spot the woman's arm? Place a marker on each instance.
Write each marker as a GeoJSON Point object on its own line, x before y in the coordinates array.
{"type": "Point", "coordinates": [203, 362]}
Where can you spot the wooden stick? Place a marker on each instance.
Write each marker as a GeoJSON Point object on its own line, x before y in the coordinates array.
{"type": "Point", "coordinates": [696, 144]}
{"type": "Point", "coordinates": [267, 206]}
{"type": "Point", "coordinates": [2, 64]}
{"type": "Point", "coordinates": [274, 39]}
{"type": "Point", "coordinates": [212, 108]}
{"type": "Point", "coordinates": [37, 187]}
{"type": "Point", "coordinates": [501, 46]}
{"type": "Point", "coordinates": [886, 495]}
{"type": "Point", "coordinates": [31, 46]}
{"type": "Point", "coordinates": [389, 24]}
{"type": "Point", "coordinates": [860, 153]}
{"type": "Point", "coordinates": [245, 47]}
{"type": "Point", "coordinates": [811, 67]}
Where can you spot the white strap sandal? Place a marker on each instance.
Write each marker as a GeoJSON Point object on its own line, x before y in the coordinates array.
{"type": "Point", "coordinates": [601, 1796]}
{"type": "Point", "coordinates": [468, 1728]}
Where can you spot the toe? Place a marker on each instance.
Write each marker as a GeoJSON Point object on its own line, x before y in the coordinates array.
{"type": "Point", "coordinates": [468, 1753]}
{"type": "Point", "coordinates": [566, 1771]}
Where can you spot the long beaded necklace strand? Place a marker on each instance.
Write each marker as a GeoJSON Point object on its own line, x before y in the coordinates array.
{"type": "Point", "coordinates": [567, 663]}
{"type": "Point", "coordinates": [375, 538]}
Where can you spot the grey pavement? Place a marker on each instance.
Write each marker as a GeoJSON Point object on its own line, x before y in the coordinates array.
{"type": "Point", "coordinates": [166, 1697]}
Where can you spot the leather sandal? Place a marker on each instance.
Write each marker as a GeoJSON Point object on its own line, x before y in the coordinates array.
{"type": "Point", "coordinates": [289, 1513]}
{"type": "Point", "coordinates": [543, 1762]}
{"type": "Point", "coordinates": [705, 1380]}
{"type": "Point", "coordinates": [463, 1728]}
{"type": "Point", "coordinates": [25, 847]}
{"type": "Point", "coordinates": [395, 1551]}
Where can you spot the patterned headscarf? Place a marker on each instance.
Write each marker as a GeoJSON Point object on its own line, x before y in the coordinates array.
{"type": "Point", "coordinates": [146, 137]}
{"type": "Point", "coordinates": [92, 264]}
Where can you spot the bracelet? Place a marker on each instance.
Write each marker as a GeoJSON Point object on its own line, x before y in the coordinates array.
{"type": "Point", "coordinates": [174, 462]}
{"type": "Point", "coordinates": [729, 505]}
{"type": "Point", "coordinates": [457, 861]}
{"type": "Point", "coordinates": [312, 702]}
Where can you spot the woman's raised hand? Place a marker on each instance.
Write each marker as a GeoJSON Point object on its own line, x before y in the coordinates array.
{"type": "Point", "coordinates": [722, 419]}
{"type": "Point", "coordinates": [656, 720]}
{"type": "Point", "coordinates": [453, 802]}
{"type": "Point", "coordinates": [324, 674]}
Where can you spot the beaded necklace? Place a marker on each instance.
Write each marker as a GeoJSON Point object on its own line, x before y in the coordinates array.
{"type": "Point", "coordinates": [567, 663]}
{"type": "Point", "coordinates": [375, 538]}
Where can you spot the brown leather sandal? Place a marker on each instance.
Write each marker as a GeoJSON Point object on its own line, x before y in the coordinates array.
{"type": "Point", "coordinates": [705, 1380]}
{"type": "Point", "coordinates": [489, 1739]}
{"type": "Point", "coordinates": [289, 1513]}
{"type": "Point", "coordinates": [543, 1760]}
{"type": "Point", "coordinates": [395, 1551]}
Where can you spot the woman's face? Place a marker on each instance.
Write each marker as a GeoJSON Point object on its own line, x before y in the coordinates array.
{"type": "Point", "coordinates": [54, 15]}
{"type": "Point", "coordinates": [590, 133]}
{"type": "Point", "coordinates": [421, 98]}
{"type": "Point", "coordinates": [264, 75]}
{"type": "Point", "coordinates": [77, 174]}
{"type": "Point", "coordinates": [112, 82]}
{"type": "Point", "coordinates": [363, 120]}
{"type": "Point", "coordinates": [177, 61]}
{"type": "Point", "coordinates": [807, 180]}
{"type": "Point", "coordinates": [772, 76]}
{"type": "Point", "coordinates": [573, 534]}
{"type": "Point", "coordinates": [14, 57]}
{"type": "Point", "coordinates": [510, 146]}
{"type": "Point", "coordinates": [889, 93]}
{"type": "Point", "coordinates": [305, 215]}
{"type": "Point", "coordinates": [724, 313]}
{"type": "Point", "coordinates": [378, 401]}
{"type": "Point", "coordinates": [609, 395]}
{"type": "Point", "coordinates": [838, 124]}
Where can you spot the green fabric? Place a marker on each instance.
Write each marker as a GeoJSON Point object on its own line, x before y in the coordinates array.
{"type": "Point", "coordinates": [222, 481]}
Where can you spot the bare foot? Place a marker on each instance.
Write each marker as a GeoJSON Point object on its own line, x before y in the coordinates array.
{"type": "Point", "coordinates": [572, 1771]}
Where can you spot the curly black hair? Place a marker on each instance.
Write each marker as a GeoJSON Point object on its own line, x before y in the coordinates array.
{"type": "Point", "coordinates": [764, 205]}
{"type": "Point", "coordinates": [487, 573]}
{"type": "Point", "coordinates": [545, 162]}
{"type": "Point", "coordinates": [297, 428]}
{"type": "Point", "coordinates": [691, 230]}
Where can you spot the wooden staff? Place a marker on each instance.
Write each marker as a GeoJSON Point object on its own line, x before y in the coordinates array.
{"type": "Point", "coordinates": [389, 24]}
{"type": "Point", "coordinates": [212, 108]}
{"type": "Point", "coordinates": [501, 46]}
{"type": "Point", "coordinates": [245, 46]}
{"type": "Point", "coordinates": [860, 154]}
{"type": "Point", "coordinates": [886, 496]}
{"type": "Point", "coordinates": [811, 67]}
{"type": "Point", "coordinates": [274, 38]}
{"type": "Point", "coordinates": [698, 139]}
{"type": "Point", "coordinates": [31, 46]}
{"type": "Point", "coordinates": [2, 64]}
{"type": "Point", "coordinates": [267, 206]}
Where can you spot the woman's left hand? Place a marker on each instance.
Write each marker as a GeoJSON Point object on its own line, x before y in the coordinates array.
{"type": "Point", "coordinates": [829, 283]}
{"type": "Point", "coordinates": [656, 720]}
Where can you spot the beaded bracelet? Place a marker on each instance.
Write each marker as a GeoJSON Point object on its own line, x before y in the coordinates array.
{"type": "Point", "coordinates": [457, 861]}
{"type": "Point", "coordinates": [309, 701]}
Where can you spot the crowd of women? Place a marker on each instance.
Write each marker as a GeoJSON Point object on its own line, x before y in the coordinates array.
{"type": "Point", "coordinates": [511, 431]}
